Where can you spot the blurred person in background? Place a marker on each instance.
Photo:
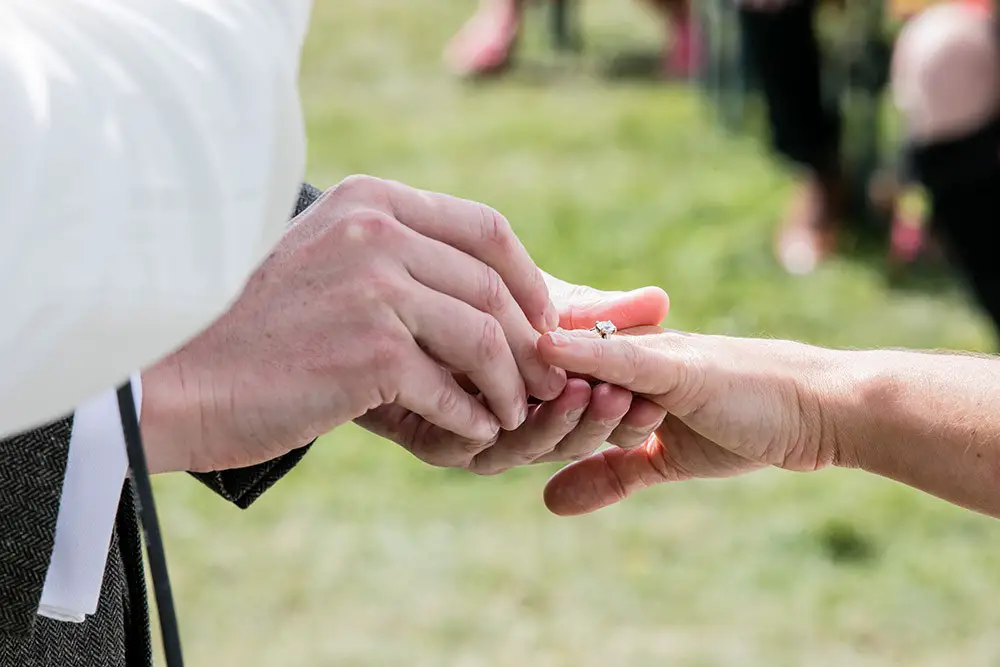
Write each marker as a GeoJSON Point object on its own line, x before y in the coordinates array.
{"type": "Point", "coordinates": [946, 81]}
{"type": "Point", "coordinates": [153, 153]}
{"type": "Point", "coordinates": [946, 84]}
{"type": "Point", "coordinates": [486, 44]}
{"type": "Point", "coordinates": [736, 405]}
{"type": "Point", "coordinates": [780, 40]}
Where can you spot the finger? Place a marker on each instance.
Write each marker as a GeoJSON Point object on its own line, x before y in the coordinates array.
{"type": "Point", "coordinates": [604, 479]}
{"type": "Point", "coordinates": [627, 361]}
{"type": "Point", "coordinates": [647, 306]}
{"type": "Point", "coordinates": [444, 269]}
{"type": "Point", "coordinates": [634, 331]}
{"type": "Point", "coordinates": [642, 419]}
{"type": "Point", "coordinates": [674, 453]}
{"type": "Point", "coordinates": [432, 392]}
{"type": "Point", "coordinates": [471, 342]}
{"type": "Point", "coordinates": [389, 421]}
{"type": "Point", "coordinates": [482, 232]}
{"type": "Point", "coordinates": [429, 443]}
{"type": "Point", "coordinates": [608, 405]}
{"type": "Point", "coordinates": [544, 429]}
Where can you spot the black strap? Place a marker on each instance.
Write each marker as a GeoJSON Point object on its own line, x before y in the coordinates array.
{"type": "Point", "coordinates": [151, 527]}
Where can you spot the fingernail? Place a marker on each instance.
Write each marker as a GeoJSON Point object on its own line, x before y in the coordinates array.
{"type": "Point", "coordinates": [523, 415]}
{"type": "Point", "coordinates": [560, 339]}
{"type": "Point", "coordinates": [551, 318]}
{"type": "Point", "coordinates": [575, 415]}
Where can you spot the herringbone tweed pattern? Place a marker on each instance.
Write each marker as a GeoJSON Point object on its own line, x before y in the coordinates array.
{"type": "Point", "coordinates": [32, 467]}
{"type": "Point", "coordinates": [117, 635]}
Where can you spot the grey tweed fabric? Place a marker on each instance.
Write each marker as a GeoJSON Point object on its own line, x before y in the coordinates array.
{"type": "Point", "coordinates": [117, 635]}
{"type": "Point", "coordinates": [32, 468]}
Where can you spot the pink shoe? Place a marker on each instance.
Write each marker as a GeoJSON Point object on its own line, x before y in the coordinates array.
{"type": "Point", "coordinates": [683, 59]}
{"type": "Point", "coordinates": [908, 239]}
{"type": "Point", "coordinates": [485, 43]}
{"type": "Point", "coordinates": [907, 242]}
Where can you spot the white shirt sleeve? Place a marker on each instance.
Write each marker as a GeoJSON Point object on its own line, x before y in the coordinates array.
{"type": "Point", "coordinates": [95, 471]}
{"type": "Point", "coordinates": [150, 156]}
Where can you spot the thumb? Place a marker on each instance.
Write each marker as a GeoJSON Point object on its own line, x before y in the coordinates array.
{"type": "Point", "coordinates": [583, 306]}
{"type": "Point", "coordinates": [675, 453]}
{"type": "Point", "coordinates": [607, 477]}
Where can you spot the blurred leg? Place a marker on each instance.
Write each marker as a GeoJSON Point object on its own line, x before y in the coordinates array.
{"type": "Point", "coordinates": [682, 58]}
{"type": "Point", "coordinates": [946, 82]}
{"type": "Point", "coordinates": [486, 42]}
{"type": "Point", "coordinates": [781, 42]}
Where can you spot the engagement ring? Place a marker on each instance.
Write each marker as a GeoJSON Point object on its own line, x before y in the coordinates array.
{"type": "Point", "coordinates": [606, 328]}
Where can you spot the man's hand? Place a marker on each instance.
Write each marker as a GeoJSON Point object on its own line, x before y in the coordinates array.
{"type": "Point", "coordinates": [378, 295]}
{"type": "Point", "coordinates": [572, 426]}
{"type": "Point", "coordinates": [734, 406]}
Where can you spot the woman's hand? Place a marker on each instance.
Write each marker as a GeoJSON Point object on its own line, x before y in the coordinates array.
{"type": "Point", "coordinates": [735, 405]}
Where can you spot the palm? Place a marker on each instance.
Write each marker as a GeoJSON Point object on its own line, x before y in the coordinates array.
{"type": "Point", "coordinates": [686, 454]}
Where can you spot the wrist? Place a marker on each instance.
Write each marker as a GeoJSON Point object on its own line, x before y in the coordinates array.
{"type": "Point", "coordinates": [862, 386]}
{"type": "Point", "coordinates": [165, 425]}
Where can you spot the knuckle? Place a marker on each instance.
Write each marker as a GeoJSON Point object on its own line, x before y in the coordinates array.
{"type": "Point", "coordinates": [598, 356]}
{"type": "Point", "coordinates": [491, 343]}
{"type": "Point", "coordinates": [358, 186]}
{"type": "Point", "coordinates": [495, 229]}
{"type": "Point", "coordinates": [447, 401]}
{"type": "Point", "coordinates": [616, 481]}
{"type": "Point", "coordinates": [691, 381]}
{"type": "Point", "coordinates": [575, 451]}
{"type": "Point", "coordinates": [440, 459]}
{"type": "Point", "coordinates": [623, 437]}
{"type": "Point", "coordinates": [628, 437]}
{"type": "Point", "coordinates": [471, 448]}
{"type": "Point", "coordinates": [386, 353]}
{"type": "Point", "coordinates": [665, 468]}
{"type": "Point", "coordinates": [440, 448]}
{"type": "Point", "coordinates": [485, 465]}
{"type": "Point", "coordinates": [494, 294]}
{"type": "Point", "coordinates": [631, 359]}
{"type": "Point", "coordinates": [538, 285]}
{"type": "Point", "coordinates": [384, 286]}
{"type": "Point", "coordinates": [371, 227]}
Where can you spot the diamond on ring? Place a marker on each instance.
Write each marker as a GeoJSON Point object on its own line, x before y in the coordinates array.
{"type": "Point", "coordinates": [606, 328]}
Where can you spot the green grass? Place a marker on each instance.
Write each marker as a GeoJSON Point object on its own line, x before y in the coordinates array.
{"type": "Point", "coordinates": [363, 556]}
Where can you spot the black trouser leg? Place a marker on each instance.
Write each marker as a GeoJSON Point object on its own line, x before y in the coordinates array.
{"type": "Point", "coordinates": [783, 50]}
{"type": "Point", "coordinates": [963, 178]}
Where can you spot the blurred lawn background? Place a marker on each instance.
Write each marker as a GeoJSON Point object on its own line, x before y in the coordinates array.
{"type": "Point", "coordinates": [365, 557]}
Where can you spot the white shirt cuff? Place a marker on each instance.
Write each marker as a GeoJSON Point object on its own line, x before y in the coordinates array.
{"type": "Point", "coordinates": [95, 472]}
